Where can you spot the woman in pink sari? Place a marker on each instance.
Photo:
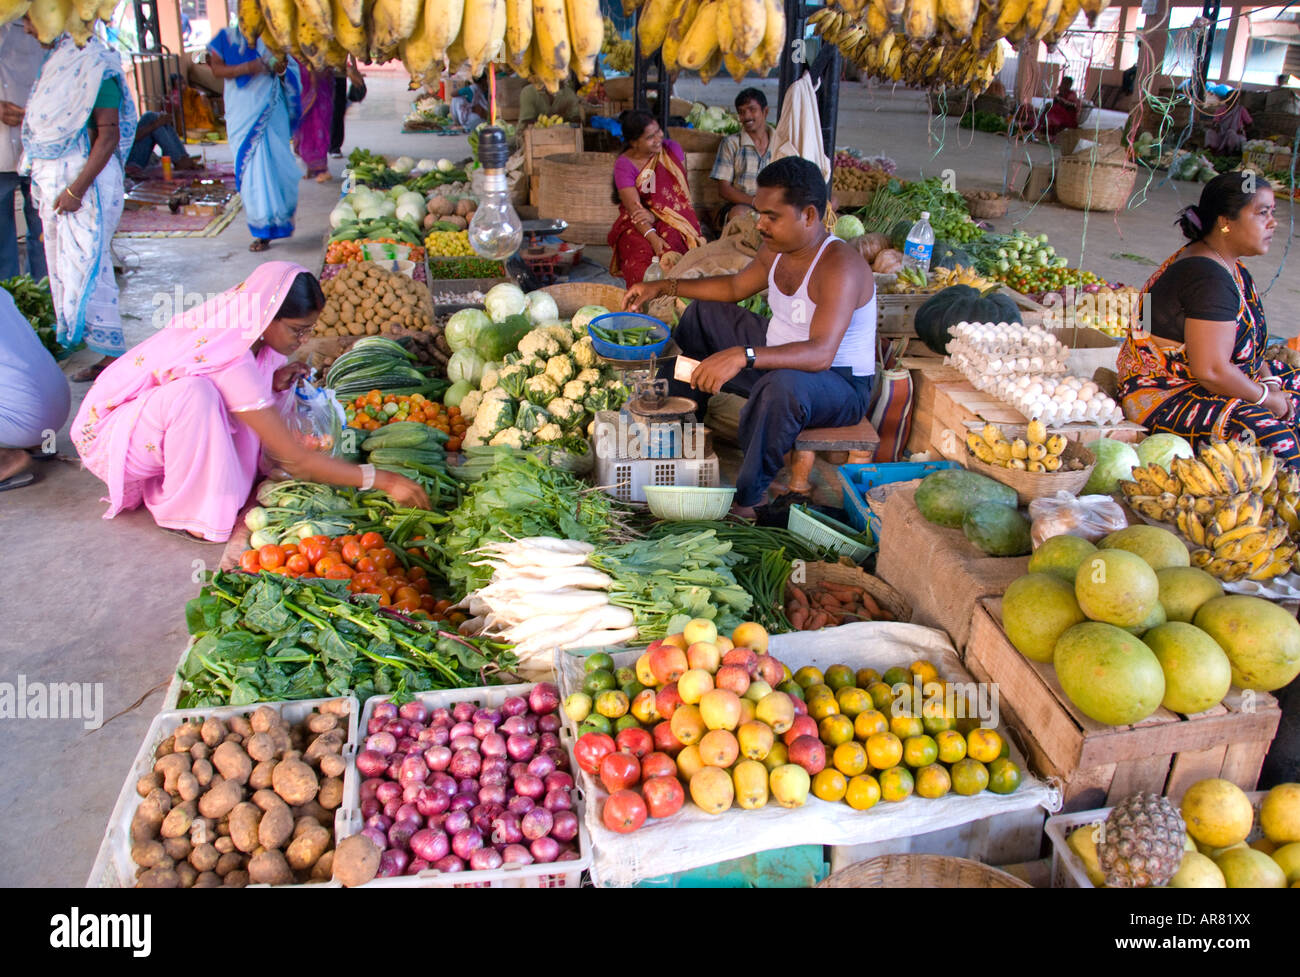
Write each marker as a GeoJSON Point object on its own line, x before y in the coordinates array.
{"type": "Point", "coordinates": [179, 422]}
{"type": "Point", "coordinates": [654, 215]}
{"type": "Point", "coordinates": [312, 140]}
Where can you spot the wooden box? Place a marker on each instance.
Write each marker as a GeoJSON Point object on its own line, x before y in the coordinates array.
{"type": "Point", "coordinates": [540, 143]}
{"type": "Point", "coordinates": [1100, 765]}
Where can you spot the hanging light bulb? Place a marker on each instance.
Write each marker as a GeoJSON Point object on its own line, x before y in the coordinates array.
{"type": "Point", "coordinates": [495, 231]}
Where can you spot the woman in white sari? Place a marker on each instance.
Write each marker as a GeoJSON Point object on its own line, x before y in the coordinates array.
{"type": "Point", "coordinates": [263, 97]}
{"type": "Point", "coordinates": [77, 130]}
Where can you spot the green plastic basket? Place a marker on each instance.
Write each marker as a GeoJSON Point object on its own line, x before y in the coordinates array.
{"type": "Point", "coordinates": [823, 536]}
{"type": "Point", "coordinates": [680, 502]}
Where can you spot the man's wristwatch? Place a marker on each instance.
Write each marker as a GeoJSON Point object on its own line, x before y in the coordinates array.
{"type": "Point", "coordinates": [749, 357]}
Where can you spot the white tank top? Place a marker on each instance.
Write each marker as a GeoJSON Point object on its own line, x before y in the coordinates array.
{"type": "Point", "coordinates": [792, 319]}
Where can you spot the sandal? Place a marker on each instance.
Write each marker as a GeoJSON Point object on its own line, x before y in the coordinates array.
{"type": "Point", "coordinates": [259, 244]}
{"type": "Point", "coordinates": [323, 177]}
{"type": "Point", "coordinates": [186, 535]}
{"type": "Point", "coordinates": [90, 374]}
{"type": "Point", "coordinates": [21, 480]}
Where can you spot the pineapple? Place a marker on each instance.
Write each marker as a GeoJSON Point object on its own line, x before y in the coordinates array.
{"type": "Point", "coordinates": [1142, 842]}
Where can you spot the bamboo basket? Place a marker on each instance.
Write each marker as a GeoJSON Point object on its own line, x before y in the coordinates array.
{"type": "Point", "coordinates": [986, 209]}
{"type": "Point", "coordinates": [619, 89]}
{"type": "Point", "coordinates": [578, 188]}
{"type": "Point", "coordinates": [695, 141]}
{"type": "Point", "coordinates": [921, 872]}
{"type": "Point", "coordinates": [572, 296]}
{"type": "Point", "coordinates": [1037, 485]}
{"type": "Point", "coordinates": [1104, 184]}
{"type": "Point", "coordinates": [886, 596]}
{"type": "Point", "coordinates": [1266, 124]}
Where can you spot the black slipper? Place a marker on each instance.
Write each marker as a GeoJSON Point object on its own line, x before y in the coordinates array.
{"type": "Point", "coordinates": [777, 512]}
{"type": "Point", "coordinates": [43, 455]}
{"type": "Point", "coordinates": [21, 480]}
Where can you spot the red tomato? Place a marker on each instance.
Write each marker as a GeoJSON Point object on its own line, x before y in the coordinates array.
{"type": "Point", "coordinates": [298, 564]}
{"type": "Point", "coordinates": [249, 560]}
{"type": "Point", "coordinates": [635, 741]}
{"type": "Point", "coordinates": [619, 771]}
{"type": "Point", "coordinates": [371, 541]}
{"type": "Point", "coordinates": [351, 553]}
{"type": "Point", "coordinates": [664, 796]}
{"type": "Point", "coordinates": [657, 765]}
{"type": "Point", "coordinates": [624, 812]}
{"type": "Point", "coordinates": [270, 556]}
{"type": "Point", "coordinates": [591, 748]}
{"type": "Point", "coordinates": [312, 548]}
{"type": "Point", "coordinates": [366, 565]}
{"type": "Point", "coordinates": [339, 572]}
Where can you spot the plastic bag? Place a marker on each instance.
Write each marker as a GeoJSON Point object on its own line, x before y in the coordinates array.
{"type": "Point", "coordinates": [315, 419]}
{"type": "Point", "coordinates": [1088, 516]}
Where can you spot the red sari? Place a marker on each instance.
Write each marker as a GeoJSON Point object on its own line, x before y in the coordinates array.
{"type": "Point", "coordinates": [662, 188]}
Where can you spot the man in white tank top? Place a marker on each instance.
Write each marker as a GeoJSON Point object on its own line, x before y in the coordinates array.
{"type": "Point", "coordinates": [813, 365]}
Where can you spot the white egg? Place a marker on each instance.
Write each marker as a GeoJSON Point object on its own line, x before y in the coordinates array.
{"type": "Point", "coordinates": [1064, 395]}
{"type": "Point", "coordinates": [1078, 410]}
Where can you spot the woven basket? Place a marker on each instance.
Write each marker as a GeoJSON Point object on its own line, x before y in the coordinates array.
{"type": "Point", "coordinates": [619, 89]}
{"type": "Point", "coordinates": [695, 141]}
{"type": "Point", "coordinates": [886, 596]}
{"type": "Point", "coordinates": [986, 209]}
{"type": "Point", "coordinates": [1266, 124]}
{"type": "Point", "coordinates": [1037, 485]}
{"type": "Point", "coordinates": [572, 296]}
{"type": "Point", "coordinates": [1103, 184]}
{"type": "Point", "coordinates": [921, 872]}
{"type": "Point", "coordinates": [578, 188]}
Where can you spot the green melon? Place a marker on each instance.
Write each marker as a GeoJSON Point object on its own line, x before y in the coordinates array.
{"type": "Point", "coordinates": [1036, 610]}
{"type": "Point", "coordinates": [1184, 589]}
{"type": "Point", "coordinates": [1262, 640]}
{"type": "Point", "coordinates": [1117, 587]}
{"type": "Point", "coordinates": [944, 497]}
{"type": "Point", "coordinates": [1159, 547]}
{"type": "Point", "coordinates": [997, 529]}
{"type": "Point", "coordinates": [1197, 672]}
{"type": "Point", "coordinates": [1061, 555]}
{"type": "Point", "coordinates": [1109, 674]}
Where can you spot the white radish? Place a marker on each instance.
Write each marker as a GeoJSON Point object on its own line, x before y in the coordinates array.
{"type": "Point", "coordinates": [544, 558]}
{"type": "Point", "coordinates": [555, 602]}
{"type": "Point", "coordinates": [584, 577]}
{"type": "Point", "coordinates": [563, 628]}
{"type": "Point", "coordinates": [602, 639]}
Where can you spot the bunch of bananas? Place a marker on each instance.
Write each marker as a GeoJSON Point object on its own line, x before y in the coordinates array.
{"type": "Point", "coordinates": [550, 121]}
{"type": "Point", "coordinates": [743, 36]}
{"type": "Point", "coordinates": [1232, 503]}
{"type": "Point", "coordinates": [53, 18]}
{"type": "Point", "coordinates": [912, 281]}
{"type": "Point", "coordinates": [1035, 452]}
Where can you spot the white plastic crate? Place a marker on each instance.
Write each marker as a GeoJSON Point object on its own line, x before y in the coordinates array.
{"type": "Point", "coordinates": [626, 478]}
{"type": "Point", "coordinates": [113, 866]}
{"type": "Point", "coordinates": [1068, 872]}
{"type": "Point", "coordinates": [549, 875]}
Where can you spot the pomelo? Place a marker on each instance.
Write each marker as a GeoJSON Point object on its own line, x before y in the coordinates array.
{"type": "Point", "coordinates": [1288, 859]}
{"type": "Point", "coordinates": [1184, 589]}
{"type": "Point", "coordinates": [1197, 672]}
{"type": "Point", "coordinates": [1197, 872]}
{"type": "Point", "coordinates": [1245, 868]}
{"type": "Point", "coordinates": [1217, 813]}
{"type": "Point", "coordinates": [1159, 547]}
{"type": "Point", "coordinates": [1036, 610]}
{"type": "Point", "coordinates": [1061, 555]}
{"type": "Point", "coordinates": [1262, 640]}
{"type": "Point", "coordinates": [1279, 814]}
{"type": "Point", "coordinates": [1117, 587]}
{"type": "Point", "coordinates": [1109, 674]}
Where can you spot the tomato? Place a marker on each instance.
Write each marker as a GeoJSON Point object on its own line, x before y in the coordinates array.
{"type": "Point", "coordinates": [635, 741]}
{"type": "Point", "coordinates": [387, 584]}
{"type": "Point", "coordinates": [407, 606]}
{"type": "Point", "coordinates": [371, 541]}
{"type": "Point", "coordinates": [250, 560]}
{"type": "Point", "coordinates": [416, 573]}
{"type": "Point", "coordinates": [289, 550]}
{"type": "Point", "coordinates": [422, 585]}
{"type": "Point", "coordinates": [406, 593]}
{"type": "Point", "coordinates": [282, 571]}
{"type": "Point", "coordinates": [310, 576]}
{"type": "Point", "coordinates": [323, 565]}
{"type": "Point", "coordinates": [384, 599]}
{"type": "Point", "coordinates": [385, 559]}
{"type": "Point", "coordinates": [270, 556]}
{"type": "Point", "coordinates": [591, 748]}
{"type": "Point", "coordinates": [340, 572]}
{"type": "Point", "coordinates": [366, 565]}
{"type": "Point", "coordinates": [442, 606]}
{"type": "Point", "coordinates": [619, 771]}
{"type": "Point", "coordinates": [365, 579]}
{"type": "Point", "coordinates": [351, 552]}
{"type": "Point", "coordinates": [298, 564]}
{"type": "Point", "coordinates": [428, 603]}
{"type": "Point", "coordinates": [624, 812]}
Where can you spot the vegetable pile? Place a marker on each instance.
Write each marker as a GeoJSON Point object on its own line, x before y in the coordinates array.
{"type": "Point", "coordinates": [461, 268]}
{"type": "Point", "coordinates": [247, 800]}
{"type": "Point", "coordinates": [448, 244]}
{"type": "Point", "coordinates": [34, 302]}
{"type": "Point", "coordinates": [378, 363]}
{"type": "Point", "coordinates": [366, 300]}
{"type": "Point", "coordinates": [373, 410]}
{"type": "Point", "coordinates": [466, 787]}
{"type": "Point", "coordinates": [713, 118]}
{"type": "Point", "coordinates": [828, 605]}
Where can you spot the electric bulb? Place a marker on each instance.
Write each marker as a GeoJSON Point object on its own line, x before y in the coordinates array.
{"type": "Point", "coordinates": [495, 232]}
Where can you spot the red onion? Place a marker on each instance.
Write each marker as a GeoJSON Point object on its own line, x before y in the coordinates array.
{"type": "Point", "coordinates": [414, 770]}
{"type": "Point", "coordinates": [483, 816]}
{"type": "Point", "coordinates": [521, 747]}
{"type": "Point", "coordinates": [386, 791]}
{"type": "Point", "coordinates": [399, 835]}
{"type": "Point", "coordinates": [560, 757]}
{"type": "Point", "coordinates": [547, 741]}
{"type": "Point", "coordinates": [492, 716]}
{"type": "Point", "coordinates": [530, 785]}
{"type": "Point", "coordinates": [456, 821]}
{"type": "Point", "coordinates": [430, 845]}
{"type": "Point", "coordinates": [482, 727]}
{"type": "Point", "coordinates": [380, 838]}
{"type": "Point", "coordinates": [410, 792]}
{"type": "Point", "coordinates": [414, 711]}
{"type": "Point", "coordinates": [459, 743]}
{"type": "Point", "coordinates": [441, 717]}
{"type": "Point", "coordinates": [437, 758]}
{"type": "Point", "coordinates": [468, 785]}
{"type": "Point", "coordinates": [465, 843]}
{"type": "Point", "coordinates": [384, 711]}
{"type": "Point", "coordinates": [557, 800]}
{"type": "Point", "coordinates": [515, 726]}
{"type": "Point", "coordinates": [530, 725]}
{"type": "Point", "coordinates": [493, 744]}
{"type": "Point", "coordinates": [374, 726]}
{"type": "Point", "coordinates": [437, 735]}
{"type": "Point", "coordinates": [464, 763]}
{"type": "Point", "coordinates": [493, 794]}
{"type": "Point", "coordinates": [462, 729]}
{"type": "Point", "coordinates": [545, 849]}
{"type": "Point", "coordinates": [516, 705]}
{"type": "Point", "coordinates": [427, 736]}
{"type": "Point", "coordinates": [417, 866]}
{"type": "Point", "coordinates": [559, 780]}
{"type": "Point", "coordinates": [394, 766]}
{"type": "Point", "coordinates": [516, 855]}
{"type": "Point", "coordinates": [493, 778]}
{"type": "Point", "coordinates": [369, 786]}
{"type": "Point", "coordinates": [541, 765]}
{"type": "Point", "coordinates": [520, 805]}
{"type": "Point", "coordinates": [549, 724]}
{"type": "Point", "coordinates": [569, 854]}
{"type": "Point", "coordinates": [464, 801]}
{"type": "Point", "coordinates": [485, 860]}
{"type": "Point", "coordinates": [565, 826]}
{"type": "Point", "coordinates": [430, 801]}
{"type": "Point", "coordinates": [397, 727]}
{"type": "Point", "coordinates": [409, 812]}
{"type": "Point", "coordinates": [392, 863]}
{"type": "Point", "coordinates": [537, 823]}
{"type": "Point", "coordinates": [543, 698]}
{"type": "Point", "coordinates": [371, 764]}
{"type": "Point", "coordinates": [370, 807]}
{"type": "Point", "coordinates": [463, 712]}
{"type": "Point", "coordinates": [415, 729]}
{"type": "Point", "coordinates": [436, 821]}
{"type": "Point", "coordinates": [442, 782]}
{"type": "Point", "coordinates": [390, 808]}
{"type": "Point", "coordinates": [380, 822]}
{"type": "Point", "coordinates": [517, 770]}
{"type": "Point", "coordinates": [449, 864]}
{"type": "Point", "coordinates": [408, 744]}
{"type": "Point", "coordinates": [505, 829]}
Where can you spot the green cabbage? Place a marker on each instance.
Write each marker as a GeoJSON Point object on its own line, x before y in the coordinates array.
{"type": "Point", "coordinates": [504, 300]}
{"type": "Point", "coordinates": [463, 328]}
{"type": "Point", "coordinates": [466, 365]}
{"type": "Point", "coordinates": [456, 393]}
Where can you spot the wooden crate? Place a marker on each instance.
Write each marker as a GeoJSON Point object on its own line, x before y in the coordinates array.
{"type": "Point", "coordinates": [540, 143]}
{"type": "Point", "coordinates": [1100, 765]}
{"type": "Point", "coordinates": [896, 314]}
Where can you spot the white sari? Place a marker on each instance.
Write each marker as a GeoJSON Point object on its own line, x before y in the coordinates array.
{"type": "Point", "coordinates": [56, 145]}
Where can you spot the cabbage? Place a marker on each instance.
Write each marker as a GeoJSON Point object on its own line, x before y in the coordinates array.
{"type": "Point", "coordinates": [445, 166]}
{"type": "Point", "coordinates": [1161, 449]}
{"type": "Point", "coordinates": [425, 165]}
{"type": "Point", "coordinates": [411, 198]}
{"type": "Point", "coordinates": [341, 212]}
{"type": "Point", "coordinates": [403, 164]}
{"type": "Point", "coordinates": [583, 316]}
{"type": "Point", "coordinates": [456, 393]}
{"type": "Point", "coordinates": [393, 193]}
{"type": "Point", "coordinates": [362, 197]}
{"type": "Point", "coordinates": [849, 227]}
{"type": "Point", "coordinates": [541, 308]}
{"type": "Point", "coordinates": [504, 300]}
{"type": "Point", "coordinates": [465, 365]}
{"type": "Point", "coordinates": [411, 213]}
{"type": "Point", "coordinates": [371, 213]}
{"type": "Point", "coordinates": [463, 328]}
{"type": "Point", "coordinates": [1115, 463]}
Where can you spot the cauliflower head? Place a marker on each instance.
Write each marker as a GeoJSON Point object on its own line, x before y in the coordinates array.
{"type": "Point", "coordinates": [511, 437]}
{"type": "Point", "coordinates": [561, 333]}
{"type": "Point", "coordinates": [469, 404]}
{"type": "Point", "coordinates": [584, 353]}
{"type": "Point", "coordinates": [541, 389]}
{"type": "Point", "coordinates": [548, 433]}
{"type": "Point", "coordinates": [491, 377]}
{"type": "Point", "coordinates": [511, 379]}
{"type": "Point", "coordinates": [560, 369]}
{"type": "Point", "coordinates": [574, 390]}
{"type": "Point", "coordinates": [590, 376]}
{"type": "Point", "coordinates": [566, 412]}
{"type": "Point", "coordinates": [539, 342]}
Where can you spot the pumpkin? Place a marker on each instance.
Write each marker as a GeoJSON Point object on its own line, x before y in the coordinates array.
{"type": "Point", "coordinates": [888, 262]}
{"type": "Point", "coordinates": [961, 303]}
{"type": "Point", "coordinates": [947, 255]}
{"type": "Point", "coordinates": [870, 245]}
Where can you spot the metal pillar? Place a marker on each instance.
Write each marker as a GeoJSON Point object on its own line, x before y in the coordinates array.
{"type": "Point", "coordinates": [642, 85]}
{"type": "Point", "coordinates": [1205, 47]}
{"type": "Point", "coordinates": [147, 30]}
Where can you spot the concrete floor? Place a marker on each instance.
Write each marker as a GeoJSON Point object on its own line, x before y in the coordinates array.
{"type": "Point", "coordinates": [91, 601]}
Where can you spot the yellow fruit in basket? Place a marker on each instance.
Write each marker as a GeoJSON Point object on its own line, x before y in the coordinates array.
{"type": "Point", "coordinates": [969, 777]}
{"type": "Point", "coordinates": [1004, 776]}
{"type": "Point", "coordinates": [866, 677]}
{"type": "Point", "coordinates": [808, 676]}
{"type": "Point", "coordinates": [1245, 868]}
{"type": "Point", "coordinates": [822, 706]}
{"type": "Point", "coordinates": [1197, 872]}
{"type": "Point", "coordinates": [863, 792]}
{"type": "Point", "coordinates": [1083, 842]}
{"type": "Point", "coordinates": [839, 677]}
{"type": "Point", "coordinates": [882, 696]}
{"type": "Point", "coordinates": [1288, 858]}
{"type": "Point", "coordinates": [925, 670]}
{"type": "Point", "coordinates": [835, 730]}
{"type": "Point", "coordinates": [904, 725]}
{"type": "Point", "coordinates": [1218, 812]}
{"type": "Point", "coordinates": [852, 701]}
{"type": "Point", "coordinates": [920, 751]}
{"type": "Point", "coordinates": [869, 723]}
{"type": "Point", "coordinates": [1279, 815]}
{"type": "Point", "coordinates": [1019, 449]}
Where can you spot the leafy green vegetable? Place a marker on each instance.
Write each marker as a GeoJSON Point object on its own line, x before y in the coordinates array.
{"type": "Point", "coordinates": [34, 302]}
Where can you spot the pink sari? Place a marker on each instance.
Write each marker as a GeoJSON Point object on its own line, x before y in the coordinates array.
{"type": "Point", "coordinates": [160, 425]}
{"type": "Point", "coordinates": [312, 140]}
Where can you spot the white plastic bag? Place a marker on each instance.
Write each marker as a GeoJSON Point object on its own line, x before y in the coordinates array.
{"type": "Point", "coordinates": [1088, 516]}
{"type": "Point", "coordinates": [315, 419]}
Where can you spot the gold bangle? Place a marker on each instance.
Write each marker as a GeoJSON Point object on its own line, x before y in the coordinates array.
{"type": "Point", "coordinates": [68, 191]}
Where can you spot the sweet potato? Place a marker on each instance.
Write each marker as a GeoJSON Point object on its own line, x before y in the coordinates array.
{"type": "Point", "coordinates": [870, 604]}
{"type": "Point", "coordinates": [244, 821]}
{"type": "Point", "coordinates": [799, 618]}
{"type": "Point", "coordinates": [233, 762]}
{"type": "Point", "coordinates": [307, 848]}
{"type": "Point", "coordinates": [295, 782]}
{"type": "Point", "coordinates": [269, 868]}
{"type": "Point", "coordinates": [356, 860]}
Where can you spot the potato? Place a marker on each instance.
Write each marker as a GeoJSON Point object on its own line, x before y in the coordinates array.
{"type": "Point", "coordinates": [260, 747]}
{"type": "Point", "coordinates": [202, 771]}
{"type": "Point", "coordinates": [294, 781]}
{"type": "Point", "coordinates": [143, 830]}
{"type": "Point", "coordinates": [331, 794]}
{"type": "Point", "coordinates": [187, 874]}
{"type": "Point", "coordinates": [233, 762]}
{"type": "Point", "coordinates": [176, 824]}
{"type": "Point", "coordinates": [213, 731]}
{"type": "Point", "coordinates": [149, 782]}
{"type": "Point", "coordinates": [147, 854]}
{"type": "Point", "coordinates": [269, 868]}
{"type": "Point", "coordinates": [171, 767]}
{"type": "Point", "coordinates": [235, 880]}
{"type": "Point", "coordinates": [325, 744]}
{"type": "Point", "coordinates": [234, 738]}
{"type": "Point", "coordinates": [281, 739]}
{"type": "Point", "coordinates": [313, 810]}
{"type": "Point", "coordinates": [187, 785]}
{"type": "Point", "coordinates": [323, 870]}
{"type": "Point", "coordinates": [177, 849]}
{"type": "Point", "coordinates": [333, 765]}
{"type": "Point", "coordinates": [307, 848]}
{"type": "Point", "coordinates": [185, 737]}
{"type": "Point", "coordinates": [159, 878]}
{"type": "Point", "coordinates": [200, 751]}
{"type": "Point", "coordinates": [230, 862]}
{"type": "Point", "coordinates": [244, 821]}
{"type": "Point", "coordinates": [165, 747]}
{"type": "Point", "coordinates": [224, 844]}
{"type": "Point", "coordinates": [276, 826]}
{"type": "Point", "coordinates": [260, 778]}
{"type": "Point", "coordinates": [165, 862]}
{"type": "Point", "coordinates": [189, 807]}
{"type": "Point", "coordinates": [208, 880]}
{"type": "Point", "coordinates": [202, 831]}
{"type": "Point", "coordinates": [155, 807]}
{"type": "Point", "coordinates": [356, 860]}
{"type": "Point", "coordinates": [219, 801]}
{"type": "Point", "coordinates": [204, 857]}
{"type": "Point", "coordinates": [304, 824]}
{"type": "Point", "coordinates": [240, 725]}
{"type": "Point", "coordinates": [263, 719]}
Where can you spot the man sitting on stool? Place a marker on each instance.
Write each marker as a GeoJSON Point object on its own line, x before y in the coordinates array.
{"type": "Point", "coordinates": [813, 364]}
{"type": "Point", "coordinates": [156, 129]}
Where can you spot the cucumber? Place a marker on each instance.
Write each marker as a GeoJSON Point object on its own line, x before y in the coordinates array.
{"type": "Point", "coordinates": [400, 434]}
{"type": "Point", "coordinates": [403, 456]}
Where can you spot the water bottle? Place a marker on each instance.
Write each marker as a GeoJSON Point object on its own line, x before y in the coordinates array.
{"type": "Point", "coordinates": [656, 272]}
{"type": "Point", "coordinates": [920, 244]}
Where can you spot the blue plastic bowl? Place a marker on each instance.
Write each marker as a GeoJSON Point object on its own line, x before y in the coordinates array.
{"type": "Point", "coordinates": [626, 320]}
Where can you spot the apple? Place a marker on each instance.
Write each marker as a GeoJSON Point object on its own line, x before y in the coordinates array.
{"type": "Point", "coordinates": [808, 752]}
{"type": "Point", "coordinates": [734, 678]}
{"type": "Point", "coordinates": [658, 764]}
{"type": "Point", "coordinates": [664, 796]}
{"type": "Point", "coordinates": [667, 700]}
{"type": "Point", "coordinates": [720, 709]}
{"type": "Point", "coordinates": [718, 748]}
{"type": "Point", "coordinates": [688, 724]}
{"type": "Point", "coordinates": [751, 635]}
{"type": "Point", "coordinates": [770, 670]}
{"type": "Point", "coordinates": [636, 741]}
{"type": "Point", "coordinates": [757, 689]}
{"type": "Point", "coordinates": [668, 664]}
{"type": "Point", "coordinates": [689, 762]}
{"type": "Point", "coordinates": [578, 706]}
{"type": "Point", "coordinates": [800, 726]}
{"type": "Point", "coordinates": [700, 629]}
{"type": "Point", "coordinates": [800, 707]}
{"type": "Point", "coordinates": [756, 740]}
{"type": "Point", "coordinates": [712, 790]}
{"type": "Point", "coordinates": [724, 644]}
{"type": "Point", "coordinates": [644, 674]}
{"type": "Point", "coordinates": [619, 771]}
{"type": "Point", "coordinates": [748, 711]}
{"type": "Point", "coordinates": [779, 756]}
{"type": "Point", "coordinates": [643, 707]}
{"type": "Point", "coordinates": [677, 641]}
{"type": "Point", "coordinates": [777, 710]}
{"type": "Point", "coordinates": [624, 812]}
{"type": "Point", "coordinates": [591, 748]}
{"type": "Point", "coordinates": [790, 784]}
{"type": "Point", "coordinates": [665, 741]}
{"type": "Point", "coordinates": [693, 684]}
{"type": "Point", "coordinates": [744, 657]}
{"type": "Point", "coordinates": [704, 655]}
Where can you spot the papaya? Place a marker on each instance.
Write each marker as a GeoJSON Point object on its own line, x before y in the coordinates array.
{"type": "Point", "coordinates": [944, 497]}
{"type": "Point", "coordinates": [997, 529]}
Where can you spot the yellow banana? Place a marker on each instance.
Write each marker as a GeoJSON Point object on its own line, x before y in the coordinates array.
{"type": "Point", "coordinates": [1002, 449]}
{"type": "Point", "coordinates": [1219, 567]}
{"type": "Point", "coordinates": [726, 33]}
{"type": "Point", "coordinates": [735, 67]}
{"type": "Point", "coordinates": [281, 18]}
{"type": "Point", "coordinates": [1251, 512]}
{"type": "Point", "coordinates": [551, 28]}
{"type": "Point", "coordinates": [353, 11]}
{"type": "Point", "coordinates": [984, 453]}
{"type": "Point", "coordinates": [1267, 469]}
{"type": "Point", "coordinates": [713, 65]}
{"type": "Point", "coordinates": [320, 17]}
{"type": "Point", "coordinates": [1093, 8]}
{"type": "Point", "coordinates": [483, 33]}
{"type": "Point", "coordinates": [959, 15]}
{"type": "Point", "coordinates": [1052, 462]}
{"type": "Point", "coordinates": [1037, 466]}
{"type": "Point", "coordinates": [1238, 533]}
{"type": "Point", "coordinates": [81, 10]}
{"type": "Point", "coordinates": [920, 19]}
{"type": "Point", "coordinates": [519, 32]}
{"type": "Point", "coordinates": [1236, 571]}
{"type": "Point", "coordinates": [1069, 11]}
{"type": "Point", "coordinates": [105, 10]}
{"type": "Point", "coordinates": [1021, 450]}
{"type": "Point", "coordinates": [1047, 21]}
{"type": "Point", "coordinates": [250, 19]}
{"type": "Point", "coordinates": [1201, 558]}
{"type": "Point", "coordinates": [653, 25]}
{"type": "Point", "coordinates": [312, 43]}
{"type": "Point", "coordinates": [391, 22]}
{"type": "Point", "coordinates": [773, 33]}
{"type": "Point", "coordinates": [353, 39]}
{"type": "Point", "coordinates": [748, 25]}
{"type": "Point", "coordinates": [586, 34]}
{"type": "Point", "coordinates": [1056, 444]}
{"type": "Point", "coordinates": [991, 433]}
{"type": "Point", "coordinates": [877, 21]}
{"type": "Point", "coordinates": [48, 18]}
{"type": "Point", "coordinates": [1019, 464]}
{"type": "Point", "coordinates": [701, 40]}
{"type": "Point", "coordinates": [894, 11]}
{"type": "Point", "coordinates": [1274, 568]}
{"type": "Point", "coordinates": [79, 30]}
{"type": "Point", "coordinates": [1010, 16]}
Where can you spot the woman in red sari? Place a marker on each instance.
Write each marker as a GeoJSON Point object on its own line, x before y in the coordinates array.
{"type": "Point", "coordinates": [1064, 111]}
{"type": "Point", "coordinates": [312, 140]}
{"type": "Point", "coordinates": [654, 214]}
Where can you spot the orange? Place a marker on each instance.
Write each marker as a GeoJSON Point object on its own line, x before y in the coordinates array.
{"type": "Point", "coordinates": [840, 677]}
{"type": "Point", "coordinates": [852, 701]}
{"type": "Point", "coordinates": [882, 696]}
{"type": "Point", "coordinates": [850, 759]}
{"type": "Point", "coordinates": [969, 777]}
{"type": "Point", "coordinates": [920, 751]}
{"type": "Point", "coordinates": [872, 721]}
{"type": "Point", "coordinates": [865, 677]}
{"type": "Point", "coordinates": [932, 780]}
{"type": "Point", "coordinates": [835, 730]}
{"type": "Point", "coordinates": [984, 745]}
{"type": "Point", "coordinates": [823, 706]}
{"type": "Point", "coordinates": [808, 675]}
{"type": "Point", "coordinates": [830, 785]}
{"type": "Point", "coordinates": [903, 725]}
{"type": "Point", "coordinates": [896, 675]}
{"type": "Point", "coordinates": [1004, 776]}
{"type": "Point", "coordinates": [817, 689]}
{"type": "Point", "coordinates": [924, 670]}
{"type": "Point", "coordinates": [896, 783]}
{"type": "Point", "coordinates": [936, 721]}
{"type": "Point", "coordinates": [952, 746]}
{"type": "Point", "coordinates": [884, 750]}
{"type": "Point", "coordinates": [863, 792]}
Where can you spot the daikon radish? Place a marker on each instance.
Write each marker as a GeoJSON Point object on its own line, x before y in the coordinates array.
{"type": "Point", "coordinates": [602, 639]}
{"type": "Point", "coordinates": [557, 629]}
